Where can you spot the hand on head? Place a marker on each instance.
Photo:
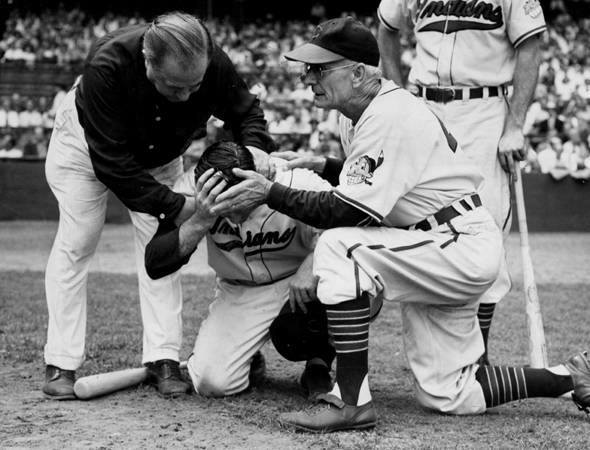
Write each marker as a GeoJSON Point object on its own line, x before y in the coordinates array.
{"type": "Point", "coordinates": [209, 185]}
{"type": "Point", "coordinates": [248, 194]}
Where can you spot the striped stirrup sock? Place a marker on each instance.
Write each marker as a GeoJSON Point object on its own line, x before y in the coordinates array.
{"type": "Point", "coordinates": [501, 384]}
{"type": "Point", "coordinates": [348, 324]}
{"type": "Point", "coordinates": [485, 315]}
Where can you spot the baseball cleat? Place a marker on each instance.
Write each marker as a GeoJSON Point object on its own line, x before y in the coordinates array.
{"type": "Point", "coordinates": [257, 369]}
{"type": "Point", "coordinates": [165, 375]}
{"type": "Point", "coordinates": [316, 380]}
{"type": "Point", "coordinates": [59, 383]}
{"type": "Point", "coordinates": [336, 416]}
{"type": "Point", "coordinates": [579, 367]}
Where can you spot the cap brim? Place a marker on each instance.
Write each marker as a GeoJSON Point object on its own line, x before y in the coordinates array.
{"type": "Point", "coordinates": [312, 54]}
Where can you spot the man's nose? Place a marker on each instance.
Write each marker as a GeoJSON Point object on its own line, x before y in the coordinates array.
{"type": "Point", "coordinates": [308, 78]}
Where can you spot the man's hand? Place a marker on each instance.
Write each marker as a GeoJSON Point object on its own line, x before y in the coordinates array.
{"type": "Point", "coordinates": [294, 160]}
{"type": "Point", "coordinates": [303, 285]}
{"type": "Point", "coordinates": [262, 162]}
{"type": "Point", "coordinates": [248, 194]}
{"type": "Point", "coordinates": [511, 147]}
{"type": "Point", "coordinates": [208, 187]}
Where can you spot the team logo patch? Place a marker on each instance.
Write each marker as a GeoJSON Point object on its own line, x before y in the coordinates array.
{"type": "Point", "coordinates": [363, 169]}
{"type": "Point", "coordinates": [532, 8]}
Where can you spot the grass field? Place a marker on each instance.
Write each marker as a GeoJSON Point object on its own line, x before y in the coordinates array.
{"type": "Point", "coordinates": [138, 418]}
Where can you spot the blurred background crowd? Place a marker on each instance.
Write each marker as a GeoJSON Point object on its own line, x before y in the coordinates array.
{"type": "Point", "coordinates": [557, 125]}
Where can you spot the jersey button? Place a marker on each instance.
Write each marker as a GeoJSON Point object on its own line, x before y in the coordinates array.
{"type": "Point", "coordinates": [151, 146]}
{"type": "Point", "coordinates": [158, 118]}
{"type": "Point", "coordinates": [162, 216]}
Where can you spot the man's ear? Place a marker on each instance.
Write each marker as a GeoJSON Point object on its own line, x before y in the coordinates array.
{"type": "Point", "coordinates": [358, 73]}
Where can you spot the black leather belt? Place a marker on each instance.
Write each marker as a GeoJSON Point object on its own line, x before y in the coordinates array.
{"type": "Point", "coordinates": [445, 95]}
{"type": "Point", "coordinates": [446, 214]}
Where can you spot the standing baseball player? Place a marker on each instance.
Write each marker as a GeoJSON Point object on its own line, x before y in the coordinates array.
{"type": "Point", "coordinates": [411, 228]}
{"type": "Point", "coordinates": [262, 260]}
{"type": "Point", "coordinates": [476, 66]}
{"type": "Point", "coordinates": [146, 92]}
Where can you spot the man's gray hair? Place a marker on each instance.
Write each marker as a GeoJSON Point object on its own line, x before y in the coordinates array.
{"type": "Point", "coordinates": [179, 35]}
{"type": "Point", "coordinates": [373, 72]}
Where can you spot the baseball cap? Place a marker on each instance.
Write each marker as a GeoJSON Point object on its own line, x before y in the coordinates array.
{"type": "Point", "coordinates": [336, 39]}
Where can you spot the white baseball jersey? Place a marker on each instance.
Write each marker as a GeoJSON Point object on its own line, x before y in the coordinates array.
{"type": "Point", "coordinates": [464, 43]}
{"type": "Point", "coordinates": [386, 176]}
{"type": "Point", "coordinates": [268, 246]}
{"type": "Point", "coordinates": [401, 167]}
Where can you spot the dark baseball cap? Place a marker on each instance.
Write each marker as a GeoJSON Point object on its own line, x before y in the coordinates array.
{"type": "Point", "coordinates": [336, 39]}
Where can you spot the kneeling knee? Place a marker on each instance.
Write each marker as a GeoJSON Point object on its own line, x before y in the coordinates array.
{"type": "Point", "coordinates": [216, 384]}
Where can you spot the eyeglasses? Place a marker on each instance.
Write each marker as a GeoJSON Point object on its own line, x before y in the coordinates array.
{"type": "Point", "coordinates": [319, 70]}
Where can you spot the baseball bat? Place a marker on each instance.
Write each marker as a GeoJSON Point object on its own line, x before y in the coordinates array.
{"type": "Point", "coordinates": [536, 333]}
{"type": "Point", "coordinates": [93, 386]}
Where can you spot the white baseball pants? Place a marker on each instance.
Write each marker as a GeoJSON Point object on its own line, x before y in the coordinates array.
{"type": "Point", "coordinates": [438, 281]}
{"type": "Point", "coordinates": [82, 202]}
{"type": "Point", "coordinates": [237, 327]}
{"type": "Point", "coordinates": [477, 124]}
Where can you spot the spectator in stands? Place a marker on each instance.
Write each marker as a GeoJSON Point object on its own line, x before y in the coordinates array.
{"type": "Point", "coordinates": [30, 115]}
{"type": "Point", "coordinates": [13, 108]}
{"type": "Point", "coordinates": [4, 108]}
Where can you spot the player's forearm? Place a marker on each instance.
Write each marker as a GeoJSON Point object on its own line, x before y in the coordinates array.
{"type": "Point", "coordinates": [190, 234]}
{"type": "Point", "coordinates": [390, 50]}
{"type": "Point", "coordinates": [526, 74]}
{"type": "Point", "coordinates": [162, 254]}
{"type": "Point", "coordinates": [318, 209]}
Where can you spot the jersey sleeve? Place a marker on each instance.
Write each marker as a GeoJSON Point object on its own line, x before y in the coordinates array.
{"type": "Point", "coordinates": [307, 179]}
{"type": "Point", "coordinates": [525, 19]}
{"type": "Point", "coordinates": [387, 159]}
{"type": "Point", "coordinates": [392, 14]}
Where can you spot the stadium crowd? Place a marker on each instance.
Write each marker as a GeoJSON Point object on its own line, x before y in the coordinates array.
{"type": "Point", "coordinates": [557, 125]}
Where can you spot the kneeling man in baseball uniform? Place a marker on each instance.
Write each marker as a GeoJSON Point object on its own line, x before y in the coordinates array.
{"type": "Point", "coordinates": [406, 222]}
{"type": "Point", "coordinates": [262, 260]}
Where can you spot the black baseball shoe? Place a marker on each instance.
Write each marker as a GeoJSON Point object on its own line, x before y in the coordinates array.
{"type": "Point", "coordinates": [257, 369]}
{"type": "Point", "coordinates": [165, 375]}
{"type": "Point", "coordinates": [579, 367]}
{"type": "Point", "coordinates": [59, 383]}
{"type": "Point", "coordinates": [335, 416]}
{"type": "Point", "coordinates": [315, 380]}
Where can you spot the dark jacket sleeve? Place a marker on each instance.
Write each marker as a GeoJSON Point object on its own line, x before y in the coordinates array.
{"type": "Point", "coordinates": [332, 170]}
{"type": "Point", "coordinates": [106, 125]}
{"type": "Point", "coordinates": [162, 255]}
{"type": "Point", "coordinates": [318, 209]}
{"type": "Point", "coordinates": [238, 108]}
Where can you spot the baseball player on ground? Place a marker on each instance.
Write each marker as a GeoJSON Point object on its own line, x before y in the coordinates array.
{"type": "Point", "coordinates": [467, 55]}
{"type": "Point", "coordinates": [411, 228]}
{"type": "Point", "coordinates": [262, 260]}
{"type": "Point", "coordinates": [146, 91]}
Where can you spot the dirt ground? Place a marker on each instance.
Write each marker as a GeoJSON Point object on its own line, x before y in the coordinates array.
{"type": "Point", "coordinates": [138, 418]}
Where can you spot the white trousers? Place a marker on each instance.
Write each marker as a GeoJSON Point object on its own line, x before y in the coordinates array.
{"type": "Point", "coordinates": [437, 280]}
{"type": "Point", "coordinates": [477, 124]}
{"type": "Point", "coordinates": [237, 327]}
{"type": "Point", "coordinates": [82, 202]}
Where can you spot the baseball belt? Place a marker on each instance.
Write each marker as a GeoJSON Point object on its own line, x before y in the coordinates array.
{"type": "Point", "coordinates": [447, 214]}
{"type": "Point", "coordinates": [445, 95]}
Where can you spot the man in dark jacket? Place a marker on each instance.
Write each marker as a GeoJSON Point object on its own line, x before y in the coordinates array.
{"type": "Point", "coordinates": [145, 93]}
